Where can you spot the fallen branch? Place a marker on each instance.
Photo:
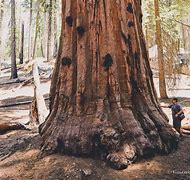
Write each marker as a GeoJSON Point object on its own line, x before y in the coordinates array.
{"type": "Point", "coordinates": [19, 103]}
{"type": "Point", "coordinates": [9, 127]}
{"type": "Point", "coordinates": [26, 82]}
{"type": "Point", "coordinates": [11, 81]}
{"type": "Point", "coordinates": [15, 104]}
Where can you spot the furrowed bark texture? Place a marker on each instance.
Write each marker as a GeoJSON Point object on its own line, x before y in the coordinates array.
{"type": "Point", "coordinates": [102, 100]}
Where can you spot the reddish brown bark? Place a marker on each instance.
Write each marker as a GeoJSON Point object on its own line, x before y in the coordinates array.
{"type": "Point", "coordinates": [102, 100]}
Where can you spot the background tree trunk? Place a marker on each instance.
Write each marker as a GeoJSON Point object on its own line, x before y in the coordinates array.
{"type": "Point", "coordinates": [49, 30]}
{"type": "Point", "coordinates": [102, 98]}
{"type": "Point", "coordinates": [44, 35]}
{"type": "Point", "coordinates": [21, 54]}
{"type": "Point", "coordinates": [36, 33]}
{"type": "Point", "coordinates": [55, 45]}
{"type": "Point", "coordinates": [162, 83]}
{"type": "Point", "coordinates": [1, 20]}
{"type": "Point", "coordinates": [30, 31]}
{"type": "Point", "coordinates": [13, 42]}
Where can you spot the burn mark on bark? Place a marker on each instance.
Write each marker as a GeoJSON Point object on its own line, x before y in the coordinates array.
{"type": "Point", "coordinates": [124, 37]}
{"type": "Point", "coordinates": [69, 21]}
{"type": "Point", "coordinates": [130, 8]}
{"type": "Point", "coordinates": [60, 145]}
{"type": "Point", "coordinates": [96, 3]}
{"type": "Point", "coordinates": [140, 18]}
{"type": "Point", "coordinates": [82, 100]}
{"type": "Point", "coordinates": [96, 141]}
{"type": "Point", "coordinates": [148, 152]}
{"type": "Point", "coordinates": [135, 86]}
{"type": "Point", "coordinates": [108, 61]}
{"type": "Point", "coordinates": [66, 61]}
{"type": "Point", "coordinates": [136, 56]}
{"type": "Point", "coordinates": [151, 73]}
{"type": "Point", "coordinates": [130, 24]}
{"type": "Point", "coordinates": [81, 30]}
{"type": "Point", "coordinates": [127, 39]}
{"type": "Point", "coordinates": [98, 149]}
{"type": "Point", "coordinates": [109, 93]}
{"type": "Point", "coordinates": [105, 9]}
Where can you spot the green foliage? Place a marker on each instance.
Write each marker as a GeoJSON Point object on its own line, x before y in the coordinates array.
{"type": "Point", "coordinates": [172, 14]}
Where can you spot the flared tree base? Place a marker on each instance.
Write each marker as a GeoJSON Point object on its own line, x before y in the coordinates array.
{"type": "Point", "coordinates": [119, 136]}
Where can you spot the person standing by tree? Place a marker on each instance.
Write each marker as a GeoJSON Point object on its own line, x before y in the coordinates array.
{"type": "Point", "coordinates": [177, 114]}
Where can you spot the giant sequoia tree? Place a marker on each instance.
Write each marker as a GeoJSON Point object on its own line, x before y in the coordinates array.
{"type": "Point", "coordinates": [102, 100]}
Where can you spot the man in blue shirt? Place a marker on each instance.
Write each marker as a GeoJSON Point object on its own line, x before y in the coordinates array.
{"type": "Point", "coordinates": [176, 112]}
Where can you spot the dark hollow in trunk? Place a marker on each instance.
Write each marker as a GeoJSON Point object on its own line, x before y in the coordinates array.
{"type": "Point", "coordinates": [103, 104]}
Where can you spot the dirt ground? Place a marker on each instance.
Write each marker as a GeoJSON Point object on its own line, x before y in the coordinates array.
{"type": "Point", "coordinates": [19, 151]}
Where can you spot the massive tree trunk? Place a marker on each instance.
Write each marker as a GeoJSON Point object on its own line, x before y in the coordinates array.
{"type": "Point", "coordinates": [13, 42]}
{"type": "Point", "coordinates": [162, 83]}
{"type": "Point", "coordinates": [102, 98]}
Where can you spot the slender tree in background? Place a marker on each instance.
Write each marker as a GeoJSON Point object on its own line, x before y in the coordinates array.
{"type": "Point", "coordinates": [102, 98]}
{"type": "Point", "coordinates": [162, 83]}
{"type": "Point", "coordinates": [55, 47]}
{"type": "Point", "coordinates": [13, 41]}
{"type": "Point", "coordinates": [44, 34]}
{"type": "Point", "coordinates": [49, 29]}
{"type": "Point", "coordinates": [30, 30]}
{"type": "Point", "coordinates": [1, 20]}
{"type": "Point", "coordinates": [36, 30]}
{"type": "Point", "coordinates": [21, 54]}
{"type": "Point", "coordinates": [1, 14]}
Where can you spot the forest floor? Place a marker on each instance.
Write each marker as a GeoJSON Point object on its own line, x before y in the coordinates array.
{"type": "Point", "coordinates": [19, 149]}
